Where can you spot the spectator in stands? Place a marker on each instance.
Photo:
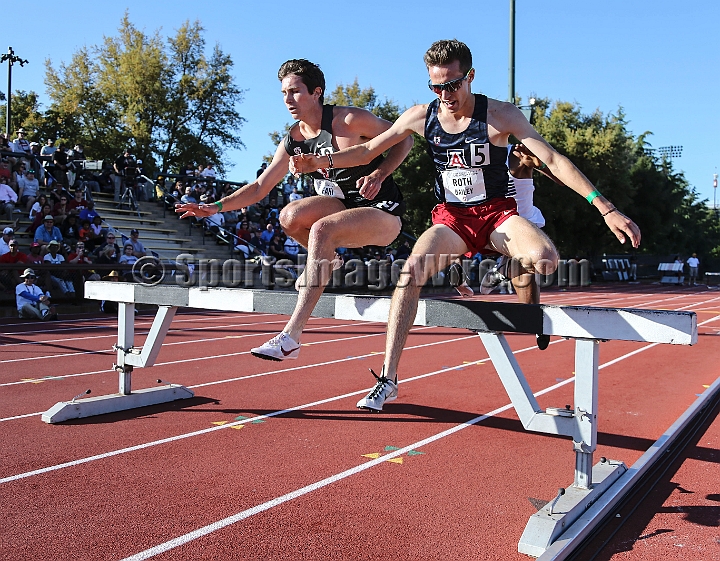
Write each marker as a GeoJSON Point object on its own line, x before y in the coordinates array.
{"type": "Point", "coordinates": [70, 229]}
{"type": "Point", "coordinates": [85, 232]}
{"type": "Point", "coordinates": [109, 252]}
{"type": "Point", "coordinates": [127, 258]}
{"type": "Point", "coordinates": [189, 170]}
{"type": "Point", "coordinates": [48, 232]}
{"type": "Point", "coordinates": [5, 145]}
{"type": "Point", "coordinates": [209, 171]}
{"type": "Point", "coordinates": [21, 143]}
{"type": "Point", "coordinates": [8, 198]}
{"type": "Point", "coordinates": [49, 148]}
{"type": "Point", "coordinates": [79, 257]}
{"type": "Point", "coordinates": [77, 204]}
{"type": "Point", "coordinates": [292, 249]}
{"type": "Point", "coordinates": [295, 195]}
{"type": "Point", "coordinates": [288, 187]}
{"type": "Point", "coordinates": [271, 210]}
{"type": "Point", "coordinates": [693, 263]}
{"type": "Point", "coordinates": [10, 278]}
{"type": "Point", "coordinates": [31, 302]}
{"type": "Point", "coordinates": [138, 247]}
{"type": "Point", "coordinates": [60, 165]}
{"type": "Point", "coordinates": [35, 257]}
{"type": "Point", "coordinates": [88, 213]}
{"type": "Point", "coordinates": [59, 278]}
{"type": "Point", "coordinates": [263, 166]}
{"type": "Point", "coordinates": [61, 210]}
{"type": "Point", "coordinates": [57, 191]}
{"type": "Point", "coordinates": [97, 233]}
{"type": "Point", "coordinates": [7, 235]}
{"type": "Point", "coordinates": [189, 196]}
{"type": "Point", "coordinates": [5, 171]}
{"type": "Point", "coordinates": [28, 190]}
{"type": "Point", "coordinates": [78, 152]}
{"type": "Point", "coordinates": [267, 236]}
{"type": "Point", "coordinates": [37, 206]}
{"type": "Point", "coordinates": [40, 217]}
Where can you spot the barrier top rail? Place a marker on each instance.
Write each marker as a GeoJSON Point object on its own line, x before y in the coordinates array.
{"type": "Point", "coordinates": [578, 322]}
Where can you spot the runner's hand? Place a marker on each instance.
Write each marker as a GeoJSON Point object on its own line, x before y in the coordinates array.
{"type": "Point", "coordinates": [196, 210]}
{"type": "Point", "coordinates": [306, 163]}
{"type": "Point", "coordinates": [369, 185]}
{"type": "Point", "coordinates": [620, 225]}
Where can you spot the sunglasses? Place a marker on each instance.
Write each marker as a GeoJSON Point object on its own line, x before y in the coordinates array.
{"type": "Point", "coordinates": [451, 86]}
{"type": "Point", "coordinates": [111, 237]}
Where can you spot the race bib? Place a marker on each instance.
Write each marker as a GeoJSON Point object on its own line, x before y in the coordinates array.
{"type": "Point", "coordinates": [464, 185]}
{"type": "Point", "coordinates": [327, 188]}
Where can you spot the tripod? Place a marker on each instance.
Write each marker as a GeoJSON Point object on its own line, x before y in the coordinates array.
{"type": "Point", "coordinates": [128, 197]}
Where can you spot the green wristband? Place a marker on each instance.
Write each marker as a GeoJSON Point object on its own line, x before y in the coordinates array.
{"type": "Point", "coordinates": [590, 198]}
{"type": "Point", "coordinates": [219, 205]}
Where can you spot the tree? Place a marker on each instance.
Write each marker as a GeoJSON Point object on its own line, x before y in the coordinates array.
{"type": "Point", "coordinates": [167, 99]}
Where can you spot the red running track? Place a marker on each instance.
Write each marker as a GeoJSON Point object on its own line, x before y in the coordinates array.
{"type": "Point", "coordinates": [273, 461]}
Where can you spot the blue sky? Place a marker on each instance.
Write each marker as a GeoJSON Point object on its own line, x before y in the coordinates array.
{"type": "Point", "coordinates": [658, 60]}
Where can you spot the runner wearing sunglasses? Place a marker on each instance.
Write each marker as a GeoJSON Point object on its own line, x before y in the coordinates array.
{"type": "Point", "coordinates": [356, 206]}
{"type": "Point", "coordinates": [467, 136]}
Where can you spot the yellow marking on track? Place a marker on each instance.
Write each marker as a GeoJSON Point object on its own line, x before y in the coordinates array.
{"type": "Point", "coordinates": [374, 455]}
{"type": "Point", "coordinates": [237, 427]}
{"type": "Point", "coordinates": [395, 460]}
{"type": "Point", "coordinates": [705, 386]}
{"type": "Point", "coordinates": [32, 380]}
{"type": "Point", "coordinates": [219, 423]}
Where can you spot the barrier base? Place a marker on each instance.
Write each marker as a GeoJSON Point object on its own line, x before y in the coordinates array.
{"type": "Point", "coordinates": [80, 408]}
{"type": "Point", "coordinates": [546, 525]}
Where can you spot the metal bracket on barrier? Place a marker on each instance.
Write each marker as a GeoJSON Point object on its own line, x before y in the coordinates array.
{"type": "Point", "coordinates": [128, 357]}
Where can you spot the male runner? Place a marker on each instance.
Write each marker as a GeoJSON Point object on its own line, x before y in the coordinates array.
{"type": "Point", "coordinates": [357, 206]}
{"type": "Point", "coordinates": [467, 136]}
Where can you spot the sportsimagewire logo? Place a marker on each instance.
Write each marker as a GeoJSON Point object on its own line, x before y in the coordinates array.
{"type": "Point", "coordinates": [148, 270]}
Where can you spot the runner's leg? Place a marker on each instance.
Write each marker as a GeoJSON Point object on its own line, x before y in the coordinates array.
{"type": "Point", "coordinates": [433, 251]}
{"type": "Point", "coordinates": [531, 250]}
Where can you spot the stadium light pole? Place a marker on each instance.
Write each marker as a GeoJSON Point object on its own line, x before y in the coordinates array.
{"type": "Point", "coordinates": [511, 77]}
{"type": "Point", "coordinates": [11, 59]}
{"type": "Point", "coordinates": [715, 193]}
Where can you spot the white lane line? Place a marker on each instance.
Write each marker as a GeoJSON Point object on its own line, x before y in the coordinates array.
{"type": "Point", "coordinates": [224, 338]}
{"type": "Point", "coordinates": [235, 518]}
{"type": "Point", "coordinates": [182, 361]}
{"type": "Point", "coordinates": [140, 334]}
{"type": "Point", "coordinates": [138, 323]}
{"type": "Point", "coordinates": [221, 427]}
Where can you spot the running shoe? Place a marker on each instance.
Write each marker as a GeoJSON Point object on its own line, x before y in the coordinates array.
{"type": "Point", "coordinates": [465, 290]}
{"type": "Point", "coordinates": [280, 347]}
{"type": "Point", "coordinates": [542, 341]}
{"type": "Point", "coordinates": [492, 279]}
{"type": "Point", "coordinates": [385, 390]}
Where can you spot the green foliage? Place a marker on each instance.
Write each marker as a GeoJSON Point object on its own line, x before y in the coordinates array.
{"type": "Point", "coordinates": [165, 98]}
{"type": "Point", "coordinates": [624, 169]}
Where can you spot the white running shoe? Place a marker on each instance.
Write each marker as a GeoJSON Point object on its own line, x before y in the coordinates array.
{"type": "Point", "coordinates": [385, 390]}
{"type": "Point", "coordinates": [280, 347]}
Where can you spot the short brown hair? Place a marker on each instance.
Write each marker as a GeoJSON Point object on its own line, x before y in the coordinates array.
{"type": "Point", "coordinates": [445, 52]}
{"type": "Point", "coordinates": [309, 73]}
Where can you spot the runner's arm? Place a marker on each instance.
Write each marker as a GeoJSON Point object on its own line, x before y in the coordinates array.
{"type": "Point", "coordinates": [511, 120]}
{"type": "Point", "coordinates": [411, 121]}
{"type": "Point", "coordinates": [246, 195]}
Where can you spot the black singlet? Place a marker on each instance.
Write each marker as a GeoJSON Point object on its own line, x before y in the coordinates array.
{"type": "Point", "coordinates": [469, 170]}
{"type": "Point", "coordinates": [341, 183]}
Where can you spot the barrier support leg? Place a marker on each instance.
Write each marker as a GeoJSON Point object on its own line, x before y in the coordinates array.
{"type": "Point", "coordinates": [127, 357]}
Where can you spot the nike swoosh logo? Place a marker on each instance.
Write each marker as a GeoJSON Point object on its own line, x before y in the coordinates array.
{"type": "Point", "coordinates": [469, 140]}
{"type": "Point", "coordinates": [322, 144]}
{"type": "Point", "coordinates": [286, 353]}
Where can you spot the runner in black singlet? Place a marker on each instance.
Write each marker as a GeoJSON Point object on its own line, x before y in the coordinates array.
{"type": "Point", "coordinates": [357, 206]}
{"type": "Point", "coordinates": [467, 141]}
